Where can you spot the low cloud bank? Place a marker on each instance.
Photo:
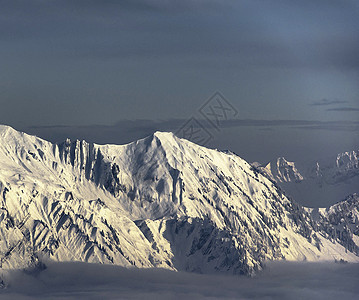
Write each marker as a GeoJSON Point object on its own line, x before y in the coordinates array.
{"type": "Point", "coordinates": [280, 280]}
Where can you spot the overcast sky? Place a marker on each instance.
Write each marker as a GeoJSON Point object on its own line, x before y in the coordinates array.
{"type": "Point", "coordinates": [115, 71]}
{"type": "Point", "coordinates": [98, 62]}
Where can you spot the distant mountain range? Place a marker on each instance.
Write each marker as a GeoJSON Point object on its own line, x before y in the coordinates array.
{"type": "Point", "coordinates": [162, 202]}
{"type": "Point", "coordinates": [319, 183]}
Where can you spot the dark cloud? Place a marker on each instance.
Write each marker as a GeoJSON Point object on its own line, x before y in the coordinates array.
{"type": "Point", "coordinates": [281, 280]}
{"type": "Point", "coordinates": [113, 30]}
{"type": "Point", "coordinates": [23, 8]}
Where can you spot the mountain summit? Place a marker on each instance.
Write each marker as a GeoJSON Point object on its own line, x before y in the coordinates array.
{"type": "Point", "coordinates": [161, 201]}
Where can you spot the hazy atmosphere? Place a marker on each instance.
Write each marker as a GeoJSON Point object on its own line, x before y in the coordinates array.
{"type": "Point", "coordinates": [145, 65]}
{"type": "Point", "coordinates": [279, 281]}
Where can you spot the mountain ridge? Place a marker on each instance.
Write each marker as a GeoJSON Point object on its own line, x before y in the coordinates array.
{"type": "Point", "coordinates": [157, 202]}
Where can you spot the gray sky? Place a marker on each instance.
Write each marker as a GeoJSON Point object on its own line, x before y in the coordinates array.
{"type": "Point", "coordinates": [116, 71]}
{"type": "Point", "coordinates": [99, 62]}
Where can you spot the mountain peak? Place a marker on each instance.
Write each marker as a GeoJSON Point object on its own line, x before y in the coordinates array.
{"type": "Point", "coordinates": [164, 136]}
{"type": "Point", "coordinates": [161, 139]}
{"type": "Point", "coordinates": [5, 128]}
{"type": "Point", "coordinates": [282, 170]}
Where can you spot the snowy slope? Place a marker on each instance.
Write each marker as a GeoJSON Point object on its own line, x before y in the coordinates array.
{"type": "Point", "coordinates": [157, 202]}
{"type": "Point", "coordinates": [340, 222]}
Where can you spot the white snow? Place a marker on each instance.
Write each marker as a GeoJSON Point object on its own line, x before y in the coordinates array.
{"type": "Point", "coordinates": [157, 202]}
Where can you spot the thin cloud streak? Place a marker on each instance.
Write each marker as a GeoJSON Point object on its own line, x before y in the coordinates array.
{"type": "Point", "coordinates": [126, 131]}
{"type": "Point", "coordinates": [173, 124]}
{"type": "Point", "coordinates": [325, 102]}
{"type": "Point", "coordinates": [343, 109]}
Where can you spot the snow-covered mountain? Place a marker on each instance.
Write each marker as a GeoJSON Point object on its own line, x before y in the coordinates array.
{"type": "Point", "coordinates": [157, 202]}
{"type": "Point", "coordinates": [281, 170]}
{"type": "Point", "coordinates": [340, 222]}
{"type": "Point", "coordinates": [343, 168]}
{"type": "Point", "coordinates": [317, 183]}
